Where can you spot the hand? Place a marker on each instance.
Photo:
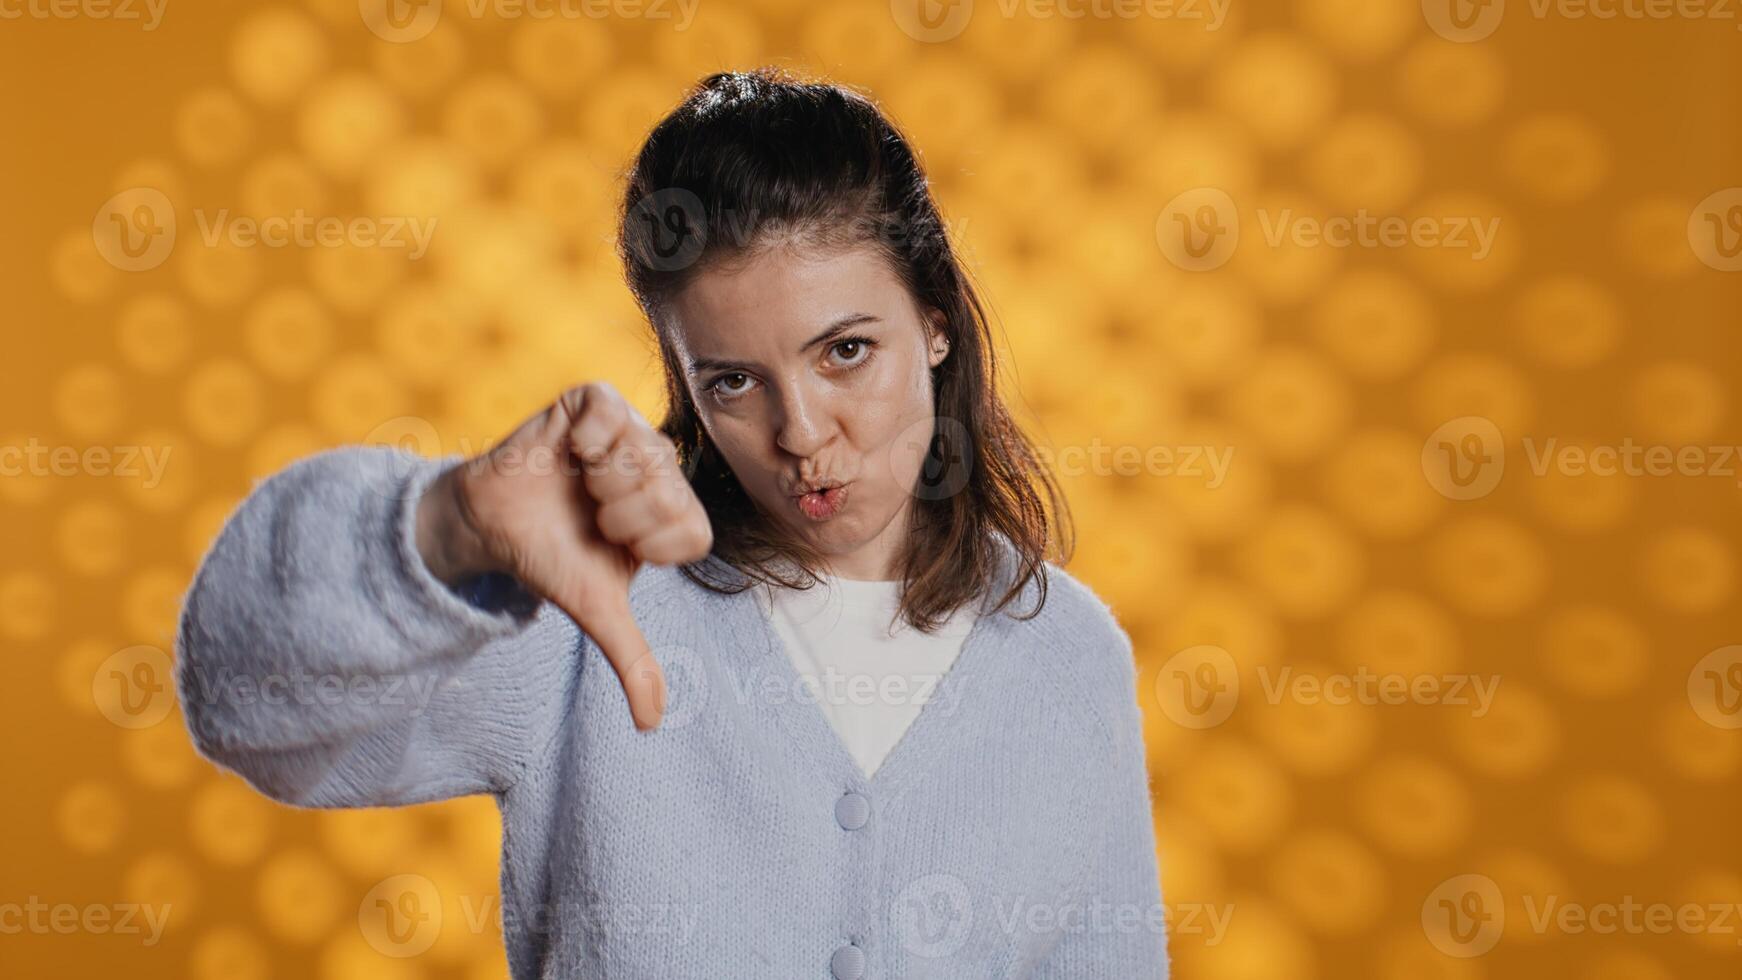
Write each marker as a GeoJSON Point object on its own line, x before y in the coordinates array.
{"type": "Point", "coordinates": [571, 504]}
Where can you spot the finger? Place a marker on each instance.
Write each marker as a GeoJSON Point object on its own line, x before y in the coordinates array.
{"type": "Point", "coordinates": [597, 415]}
{"type": "Point", "coordinates": [639, 455]}
{"type": "Point", "coordinates": [675, 545]}
{"type": "Point", "coordinates": [653, 506]}
{"type": "Point", "coordinates": [527, 447]}
{"type": "Point", "coordinates": [612, 626]}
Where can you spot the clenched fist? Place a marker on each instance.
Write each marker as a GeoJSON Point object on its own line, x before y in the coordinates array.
{"type": "Point", "coordinates": [570, 505]}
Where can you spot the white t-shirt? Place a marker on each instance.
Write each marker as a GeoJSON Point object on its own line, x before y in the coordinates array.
{"type": "Point", "coordinates": [869, 673]}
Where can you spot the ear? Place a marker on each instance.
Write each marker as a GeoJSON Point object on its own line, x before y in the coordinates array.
{"type": "Point", "coordinates": [937, 338]}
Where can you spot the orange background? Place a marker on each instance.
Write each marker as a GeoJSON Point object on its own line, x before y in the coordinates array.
{"type": "Point", "coordinates": [1056, 146]}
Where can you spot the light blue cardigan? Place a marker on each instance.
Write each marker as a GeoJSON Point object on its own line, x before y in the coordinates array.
{"type": "Point", "coordinates": [1009, 834]}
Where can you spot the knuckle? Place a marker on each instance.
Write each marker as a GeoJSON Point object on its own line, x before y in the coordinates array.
{"type": "Point", "coordinates": [635, 462]}
{"type": "Point", "coordinates": [597, 455]}
{"type": "Point", "coordinates": [662, 498]}
{"type": "Point", "coordinates": [596, 477]}
{"type": "Point", "coordinates": [632, 459]}
{"type": "Point", "coordinates": [610, 520]}
{"type": "Point", "coordinates": [578, 400]}
{"type": "Point", "coordinates": [604, 399]}
{"type": "Point", "coordinates": [595, 398]}
{"type": "Point", "coordinates": [571, 399]}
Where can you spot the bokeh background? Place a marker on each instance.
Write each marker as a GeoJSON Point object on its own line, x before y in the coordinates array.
{"type": "Point", "coordinates": [1137, 188]}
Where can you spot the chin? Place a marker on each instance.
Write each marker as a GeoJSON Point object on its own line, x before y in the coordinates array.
{"type": "Point", "coordinates": [843, 534]}
{"type": "Point", "coordinates": [839, 536]}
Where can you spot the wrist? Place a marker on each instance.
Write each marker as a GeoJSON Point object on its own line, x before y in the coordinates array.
{"type": "Point", "coordinates": [450, 546]}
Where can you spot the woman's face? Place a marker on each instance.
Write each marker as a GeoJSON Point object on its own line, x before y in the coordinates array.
{"type": "Point", "coordinates": [812, 375]}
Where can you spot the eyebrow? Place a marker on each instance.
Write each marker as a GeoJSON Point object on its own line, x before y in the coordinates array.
{"type": "Point", "coordinates": [840, 326]}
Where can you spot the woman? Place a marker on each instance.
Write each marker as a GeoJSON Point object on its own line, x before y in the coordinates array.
{"type": "Point", "coordinates": [616, 630]}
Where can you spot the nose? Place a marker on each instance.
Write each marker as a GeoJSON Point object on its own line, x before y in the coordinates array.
{"type": "Point", "coordinates": [804, 424]}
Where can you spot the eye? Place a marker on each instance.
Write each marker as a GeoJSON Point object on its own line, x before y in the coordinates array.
{"type": "Point", "coordinates": [731, 385]}
{"type": "Point", "coordinates": [852, 352]}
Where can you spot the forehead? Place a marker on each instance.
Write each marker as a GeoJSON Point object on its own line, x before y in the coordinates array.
{"type": "Point", "coordinates": [783, 293]}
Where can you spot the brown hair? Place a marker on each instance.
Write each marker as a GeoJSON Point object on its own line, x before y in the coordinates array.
{"type": "Point", "coordinates": [753, 158]}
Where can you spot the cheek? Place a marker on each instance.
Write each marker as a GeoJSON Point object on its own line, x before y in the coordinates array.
{"type": "Point", "coordinates": [906, 454]}
{"type": "Point", "coordinates": [895, 398]}
{"type": "Point", "coordinates": [742, 443]}
{"type": "Point", "coordinates": [894, 424]}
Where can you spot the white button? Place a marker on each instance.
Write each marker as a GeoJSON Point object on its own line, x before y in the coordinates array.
{"type": "Point", "coordinates": [852, 810]}
{"type": "Point", "coordinates": [848, 963]}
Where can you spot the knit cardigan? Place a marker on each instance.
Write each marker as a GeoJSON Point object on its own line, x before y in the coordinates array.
{"type": "Point", "coordinates": [1008, 834]}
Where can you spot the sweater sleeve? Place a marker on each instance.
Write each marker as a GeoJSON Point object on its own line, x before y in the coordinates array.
{"type": "Point", "coordinates": [319, 658]}
{"type": "Point", "coordinates": [1122, 933]}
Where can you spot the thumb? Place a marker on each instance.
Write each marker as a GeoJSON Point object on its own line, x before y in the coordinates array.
{"type": "Point", "coordinates": [608, 620]}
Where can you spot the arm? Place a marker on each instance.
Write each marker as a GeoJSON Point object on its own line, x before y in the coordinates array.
{"type": "Point", "coordinates": [319, 656]}
{"type": "Point", "coordinates": [1122, 934]}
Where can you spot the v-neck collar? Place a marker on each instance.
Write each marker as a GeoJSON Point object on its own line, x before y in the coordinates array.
{"type": "Point", "coordinates": [816, 740]}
